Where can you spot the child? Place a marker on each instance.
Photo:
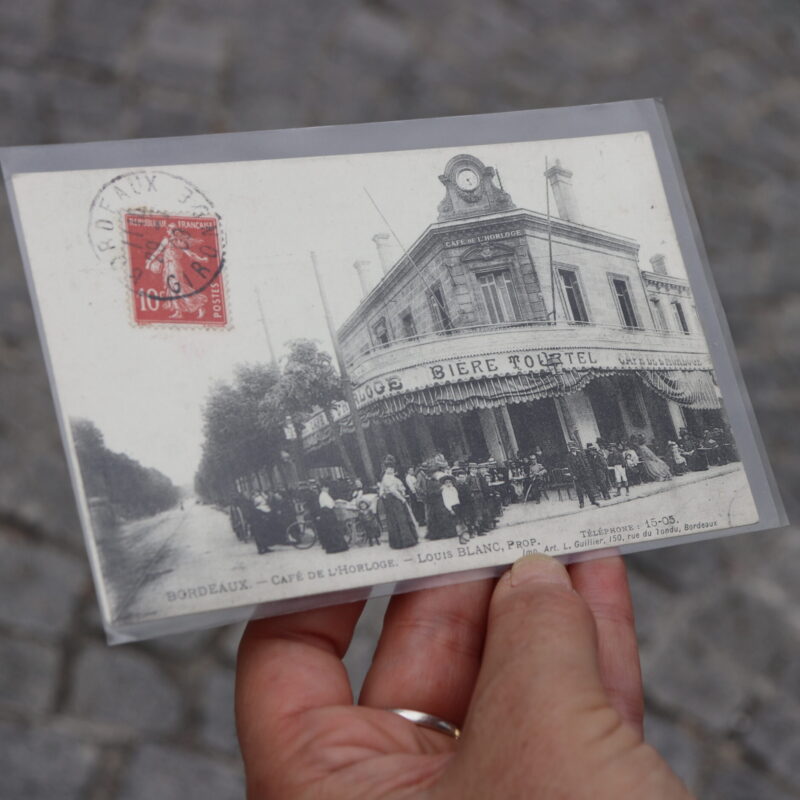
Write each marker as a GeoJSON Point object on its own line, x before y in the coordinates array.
{"type": "Point", "coordinates": [617, 460]}
{"type": "Point", "coordinates": [367, 522]}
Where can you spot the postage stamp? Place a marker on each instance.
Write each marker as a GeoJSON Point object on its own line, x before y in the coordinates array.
{"type": "Point", "coordinates": [175, 270]}
{"type": "Point", "coordinates": [165, 241]}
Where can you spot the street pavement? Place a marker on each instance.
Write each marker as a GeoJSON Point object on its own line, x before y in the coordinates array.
{"type": "Point", "coordinates": [186, 548]}
{"type": "Point", "coordinates": [717, 621]}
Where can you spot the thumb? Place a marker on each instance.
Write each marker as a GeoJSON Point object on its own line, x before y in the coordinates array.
{"type": "Point", "coordinates": [539, 707]}
{"type": "Point", "coordinates": [540, 657]}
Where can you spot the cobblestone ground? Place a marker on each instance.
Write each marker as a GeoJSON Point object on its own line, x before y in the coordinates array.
{"type": "Point", "coordinates": [718, 622]}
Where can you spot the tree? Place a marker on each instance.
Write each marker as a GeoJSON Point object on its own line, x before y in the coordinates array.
{"type": "Point", "coordinates": [239, 438]}
{"type": "Point", "coordinates": [133, 490]}
{"type": "Point", "coordinates": [310, 382]}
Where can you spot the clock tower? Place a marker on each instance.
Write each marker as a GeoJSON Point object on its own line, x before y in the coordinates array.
{"type": "Point", "coordinates": [471, 189]}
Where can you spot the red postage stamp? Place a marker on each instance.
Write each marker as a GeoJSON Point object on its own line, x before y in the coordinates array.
{"type": "Point", "coordinates": [176, 270]}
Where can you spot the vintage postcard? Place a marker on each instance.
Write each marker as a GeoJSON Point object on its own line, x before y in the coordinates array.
{"type": "Point", "coordinates": [325, 369]}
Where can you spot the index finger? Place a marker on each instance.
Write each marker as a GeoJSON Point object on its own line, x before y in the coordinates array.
{"type": "Point", "coordinates": [603, 584]}
{"type": "Point", "coordinates": [287, 665]}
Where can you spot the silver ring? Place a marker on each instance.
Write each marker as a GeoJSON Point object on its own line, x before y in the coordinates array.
{"type": "Point", "coordinates": [428, 721]}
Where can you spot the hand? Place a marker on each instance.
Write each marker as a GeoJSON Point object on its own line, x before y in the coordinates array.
{"type": "Point", "coordinates": [541, 671]}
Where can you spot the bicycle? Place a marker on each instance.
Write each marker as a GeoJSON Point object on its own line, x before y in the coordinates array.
{"type": "Point", "coordinates": [302, 534]}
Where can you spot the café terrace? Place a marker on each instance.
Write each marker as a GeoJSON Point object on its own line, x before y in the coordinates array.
{"type": "Point", "coordinates": [502, 329]}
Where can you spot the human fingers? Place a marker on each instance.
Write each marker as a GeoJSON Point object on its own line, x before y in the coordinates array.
{"type": "Point", "coordinates": [538, 701]}
{"type": "Point", "coordinates": [430, 649]}
{"type": "Point", "coordinates": [603, 584]}
{"type": "Point", "coordinates": [287, 665]}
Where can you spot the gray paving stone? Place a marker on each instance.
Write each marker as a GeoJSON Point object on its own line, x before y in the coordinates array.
{"type": "Point", "coordinates": [41, 764]}
{"type": "Point", "coordinates": [124, 690]}
{"type": "Point", "coordinates": [749, 630]}
{"type": "Point", "coordinates": [83, 110]}
{"type": "Point", "coordinates": [39, 586]}
{"type": "Point", "coordinates": [166, 773]}
{"type": "Point", "coordinates": [680, 568]}
{"type": "Point", "coordinates": [678, 748]}
{"type": "Point", "coordinates": [20, 122]}
{"type": "Point", "coordinates": [181, 645]}
{"type": "Point", "coordinates": [654, 609]}
{"type": "Point", "coordinates": [739, 782]}
{"type": "Point", "coordinates": [694, 680]}
{"type": "Point", "coordinates": [774, 733]}
{"type": "Point", "coordinates": [157, 120]}
{"type": "Point", "coordinates": [29, 674]}
{"type": "Point", "coordinates": [182, 51]}
{"type": "Point", "coordinates": [97, 33]}
{"type": "Point", "coordinates": [24, 30]}
{"type": "Point", "coordinates": [218, 726]}
{"type": "Point", "coordinates": [229, 641]}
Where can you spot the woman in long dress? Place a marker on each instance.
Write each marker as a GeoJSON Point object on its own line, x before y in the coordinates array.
{"type": "Point", "coordinates": [399, 519]}
{"type": "Point", "coordinates": [263, 524]}
{"type": "Point", "coordinates": [441, 523]}
{"type": "Point", "coordinates": [676, 461]}
{"type": "Point", "coordinates": [652, 467]}
{"type": "Point", "coordinates": [328, 530]}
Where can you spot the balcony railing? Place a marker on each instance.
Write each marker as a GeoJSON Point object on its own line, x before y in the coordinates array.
{"type": "Point", "coordinates": [404, 343]}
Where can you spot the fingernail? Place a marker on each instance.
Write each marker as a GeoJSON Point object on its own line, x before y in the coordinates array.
{"type": "Point", "coordinates": [540, 568]}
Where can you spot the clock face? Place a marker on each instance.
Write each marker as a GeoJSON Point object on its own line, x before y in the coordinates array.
{"type": "Point", "coordinates": [467, 179]}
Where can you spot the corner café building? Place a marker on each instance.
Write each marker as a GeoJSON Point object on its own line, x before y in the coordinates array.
{"type": "Point", "coordinates": [502, 329]}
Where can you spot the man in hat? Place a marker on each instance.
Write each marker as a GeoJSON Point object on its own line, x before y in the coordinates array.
{"type": "Point", "coordinates": [582, 474]}
{"type": "Point", "coordinates": [599, 466]}
{"type": "Point", "coordinates": [537, 475]}
{"type": "Point", "coordinates": [478, 488]}
{"type": "Point", "coordinates": [465, 512]}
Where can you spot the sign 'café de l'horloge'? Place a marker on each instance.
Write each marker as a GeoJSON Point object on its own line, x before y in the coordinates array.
{"type": "Point", "coordinates": [502, 329]}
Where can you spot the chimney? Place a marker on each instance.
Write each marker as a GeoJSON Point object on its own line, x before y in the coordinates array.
{"type": "Point", "coordinates": [363, 270]}
{"type": "Point", "coordinates": [561, 183]}
{"type": "Point", "coordinates": [659, 264]}
{"type": "Point", "coordinates": [384, 246]}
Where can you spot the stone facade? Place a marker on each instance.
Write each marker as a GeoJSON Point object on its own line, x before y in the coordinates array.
{"type": "Point", "coordinates": [489, 281]}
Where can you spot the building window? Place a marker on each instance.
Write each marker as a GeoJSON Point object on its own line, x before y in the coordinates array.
{"type": "Point", "coordinates": [409, 328]}
{"type": "Point", "coordinates": [658, 314]}
{"type": "Point", "coordinates": [624, 303]}
{"type": "Point", "coordinates": [499, 296]}
{"type": "Point", "coordinates": [683, 325]}
{"type": "Point", "coordinates": [381, 332]}
{"type": "Point", "coordinates": [573, 296]}
{"type": "Point", "coordinates": [441, 319]}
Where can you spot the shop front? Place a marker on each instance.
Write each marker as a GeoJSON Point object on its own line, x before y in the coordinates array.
{"type": "Point", "coordinates": [496, 393]}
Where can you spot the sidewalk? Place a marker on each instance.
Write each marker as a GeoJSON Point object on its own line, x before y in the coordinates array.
{"type": "Point", "coordinates": [518, 513]}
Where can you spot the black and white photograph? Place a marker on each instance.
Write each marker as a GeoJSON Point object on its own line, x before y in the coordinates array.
{"type": "Point", "coordinates": [290, 377]}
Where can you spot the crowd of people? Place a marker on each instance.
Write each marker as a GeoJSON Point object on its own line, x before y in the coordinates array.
{"type": "Point", "coordinates": [466, 499]}
{"type": "Point", "coordinates": [601, 468]}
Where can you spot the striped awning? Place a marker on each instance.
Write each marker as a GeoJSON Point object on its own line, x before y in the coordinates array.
{"type": "Point", "coordinates": [694, 389]}
{"type": "Point", "coordinates": [467, 396]}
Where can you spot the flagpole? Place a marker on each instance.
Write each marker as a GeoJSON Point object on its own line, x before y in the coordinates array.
{"type": "Point", "coordinates": [272, 359]}
{"type": "Point", "coordinates": [346, 385]}
{"type": "Point", "coordinates": [550, 240]}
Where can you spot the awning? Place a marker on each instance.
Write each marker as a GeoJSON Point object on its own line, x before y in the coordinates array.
{"type": "Point", "coordinates": [690, 388]}
{"type": "Point", "coordinates": [459, 398]}
{"type": "Point", "coordinates": [694, 389]}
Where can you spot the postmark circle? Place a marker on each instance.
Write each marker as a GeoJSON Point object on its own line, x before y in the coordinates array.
{"type": "Point", "coordinates": [177, 216]}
